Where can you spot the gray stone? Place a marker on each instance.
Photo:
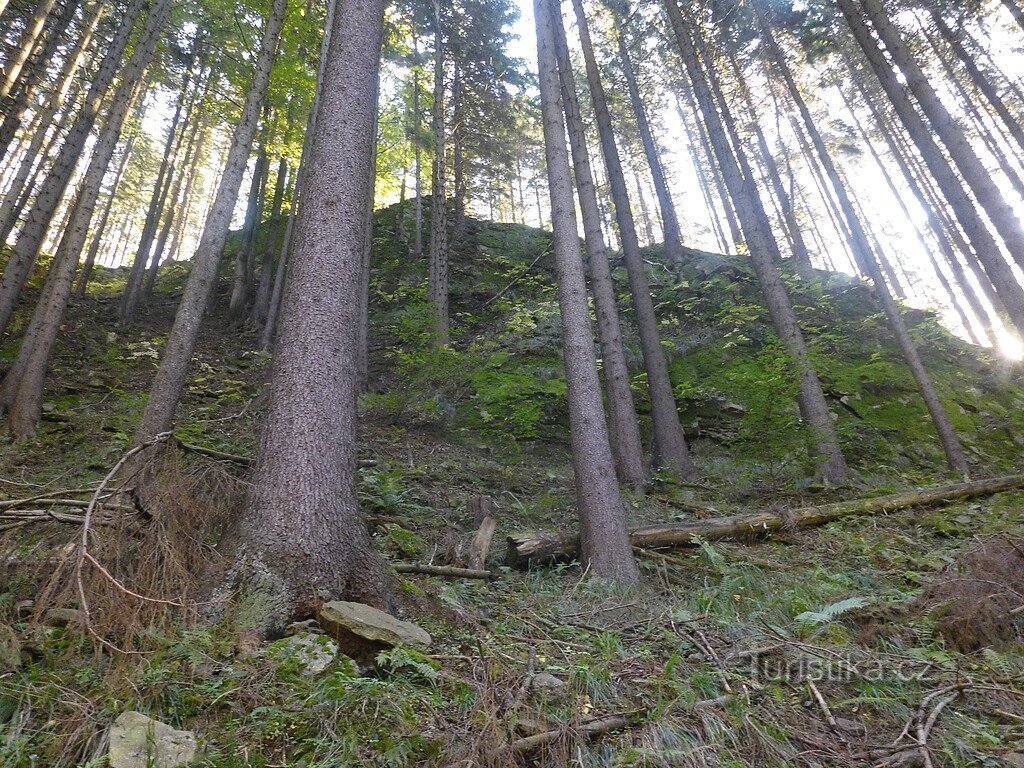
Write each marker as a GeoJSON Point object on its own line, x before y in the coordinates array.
{"type": "Point", "coordinates": [10, 649]}
{"type": "Point", "coordinates": [137, 741]}
{"type": "Point", "coordinates": [544, 681]}
{"type": "Point", "coordinates": [340, 617]}
{"type": "Point", "coordinates": [314, 651]}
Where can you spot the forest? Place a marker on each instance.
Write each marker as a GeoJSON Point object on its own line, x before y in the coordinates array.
{"type": "Point", "coordinates": [499, 383]}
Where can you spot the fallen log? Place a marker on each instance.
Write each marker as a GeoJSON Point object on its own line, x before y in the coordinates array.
{"type": "Point", "coordinates": [442, 570]}
{"type": "Point", "coordinates": [541, 548]}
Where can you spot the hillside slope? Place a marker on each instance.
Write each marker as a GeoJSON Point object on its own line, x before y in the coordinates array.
{"type": "Point", "coordinates": [706, 665]}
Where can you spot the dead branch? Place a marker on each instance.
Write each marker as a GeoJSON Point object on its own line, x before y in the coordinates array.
{"type": "Point", "coordinates": [547, 547]}
{"type": "Point", "coordinates": [590, 730]}
{"type": "Point", "coordinates": [442, 570]}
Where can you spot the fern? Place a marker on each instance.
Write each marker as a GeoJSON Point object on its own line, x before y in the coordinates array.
{"type": "Point", "coordinates": [808, 620]}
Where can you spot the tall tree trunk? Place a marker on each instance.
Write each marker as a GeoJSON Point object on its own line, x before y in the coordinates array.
{"type": "Point", "coordinates": [943, 241]}
{"type": "Point", "coordinates": [171, 205]}
{"type": "Point", "coordinates": [244, 253]}
{"type": "Point", "coordinates": [187, 198]}
{"type": "Point", "coordinates": [17, 102]}
{"type": "Point", "coordinates": [669, 218]}
{"type": "Point", "coordinates": [825, 442]}
{"type": "Point", "coordinates": [417, 118]}
{"type": "Point", "coordinates": [624, 428]}
{"type": "Point", "coordinates": [161, 189]}
{"type": "Point", "coordinates": [800, 253]}
{"type": "Point", "coordinates": [604, 539]}
{"type": "Point", "coordinates": [968, 217]}
{"type": "Point", "coordinates": [28, 373]}
{"type": "Point", "coordinates": [870, 263]}
{"type": "Point", "coordinates": [302, 535]}
{"type": "Point", "coordinates": [458, 157]}
{"type": "Point", "coordinates": [1016, 10]}
{"type": "Point", "coordinates": [170, 378]}
{"type": "Point", "coordinates": [1000, 213]}
{"type": "Point", "coordinates": [277, 294]}
{"type": "Point", "coordinates": [723, 195]}
{"type": "Point", "coordinates": [30, 240]}
{"type": "Point", "coordinates": [22, 52]}
{"type": "Point", "coordinates": [671, 450]}
{"type": "Point", "coordinates": [702, 178]}
{"type": "Point", "coordinates": [261, 305]}
{"type": "Point", "coordinates": [39, 146]}
{"type": "Point", "coordinates": [438, 280]}
{"type": "Point", "coordinates": [101, 228]}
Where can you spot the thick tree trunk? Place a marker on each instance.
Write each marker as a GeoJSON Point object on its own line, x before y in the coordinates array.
{"type": "Point", "coordinates": [303, 538]}
{"type": "Point", "coordinates": [280, 276]}
{"type": "Point", "coordinates": [984, 244]}
{"type": "Point", "coordinates": [541, 548]}
{"type": "Point", "coordinates": [825, 442]}
{"type": "Point", "coordinates": [669, 218]}
{"type": "Point", "coordinates": [28, 373]}
{"type": "Point", "coordinates": [438, 281]}
{"type": "Point", "coordinates": [670, 446]}
{"type": "Point", "coordinates": [30, 240]}
{"type": "Point", "coordinates": [1000, 213]}
{"type": "Point", "coordinates": [623, 425]}
{"type": "Point", "coordinates": [604, 540]}
{"type": "Point", "coordinates": [170, 378]}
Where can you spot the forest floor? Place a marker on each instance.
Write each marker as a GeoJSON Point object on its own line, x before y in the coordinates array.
{"type": "Point", "coordinates": [885, 640]}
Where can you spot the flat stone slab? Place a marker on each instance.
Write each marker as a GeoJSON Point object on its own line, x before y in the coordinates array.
{"type": "Point", "coordinates": [138, 741]}
{"type": "Point", "coordinates": [339, 617]}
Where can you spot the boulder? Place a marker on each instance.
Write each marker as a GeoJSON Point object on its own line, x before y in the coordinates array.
{"type": "Point", "coordinates": [137, 741]}
{"type": "Point", "coordinates": [10, 649]}
{"type": "Point", "coordinates": [314, 652]}
{"type": "Point", "coordinates": [344, 621]}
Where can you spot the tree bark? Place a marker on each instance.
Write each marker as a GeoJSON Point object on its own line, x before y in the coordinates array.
{"type": "Point", "coordinates": [825, 443]}
{"type": "Point", "coordinates": [1004, 219]}
{"type": "Point", "coordinates": [170, 378]}
{"type": "Point", "coordinates": [670, 446]}
{"type": "Point", "coordinates": [438, 281]}
{"type": "Point", "coordinates": [623, 424]}
{"type": "Point", "coordinates": [542, 548]}
{"type": "Point", "coordinates": [604, 541]}
{"type": "Point", "coordinates": [30, 240]}
{"type": "Point", "coordinates": [984, 244]}
{"type": "Point", "coordinates": [303, 539]}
